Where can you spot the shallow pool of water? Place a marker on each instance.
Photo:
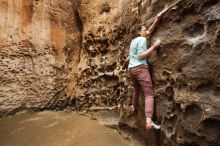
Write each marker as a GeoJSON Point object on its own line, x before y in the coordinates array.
{"type": "Point", "coordinates": [57, 129]}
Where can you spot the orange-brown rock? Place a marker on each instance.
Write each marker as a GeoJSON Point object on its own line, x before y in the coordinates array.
{"type": "Point", "coordinates": [74, 54]}
{"type": "Point", "coordinates": [40, 45]}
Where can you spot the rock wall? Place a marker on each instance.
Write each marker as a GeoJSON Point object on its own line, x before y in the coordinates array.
{"type": "Point", "coordinates": [186, 74]}
{"type": "Point", "coordinates": [40, 43]}
{"type": "Point", "coordinates": [185, 69]}
{"type": "Point", "coordinates": [74, 54]}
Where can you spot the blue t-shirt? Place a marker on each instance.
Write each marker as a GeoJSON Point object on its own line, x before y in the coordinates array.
{"type": "Point", "coordinates": [138, 45]}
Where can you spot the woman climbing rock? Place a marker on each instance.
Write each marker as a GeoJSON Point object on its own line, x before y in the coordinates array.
{"type": "Point", "coordinates": [138, 68]}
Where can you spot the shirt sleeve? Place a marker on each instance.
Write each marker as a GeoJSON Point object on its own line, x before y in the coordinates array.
{"type": "Point", "coordinates": [142, 46]}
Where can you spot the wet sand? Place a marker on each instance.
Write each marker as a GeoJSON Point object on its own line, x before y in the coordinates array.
{"type": "Point", "coordinates": [56, 129]}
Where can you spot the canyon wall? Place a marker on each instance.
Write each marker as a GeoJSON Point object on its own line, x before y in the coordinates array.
{"type": "Point", "coordinates": [74, 55]}
{"type": "Point", "coordinates": [40, 45]}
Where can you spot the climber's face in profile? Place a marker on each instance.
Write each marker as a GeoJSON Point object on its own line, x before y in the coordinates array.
{"type": "Point", "coordinates": [143, 31]}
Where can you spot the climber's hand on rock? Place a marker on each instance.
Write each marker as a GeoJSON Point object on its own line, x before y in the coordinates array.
{"type": "Point", "coordinates": [157, 43]}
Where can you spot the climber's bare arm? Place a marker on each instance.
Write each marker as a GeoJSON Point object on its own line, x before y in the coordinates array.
{"type": "Point", "coordinates": [157, 19]}
{"type": "Point", "coordinates": [146, 53]}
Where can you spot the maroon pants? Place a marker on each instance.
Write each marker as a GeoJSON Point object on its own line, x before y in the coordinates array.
{"type": "Point", "coordinates": [141, 80]}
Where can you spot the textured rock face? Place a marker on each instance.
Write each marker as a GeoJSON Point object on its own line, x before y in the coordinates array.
{"type": "Point", "coordinates": [57, 54]}
{"type": "Point", "coordinates": [185, 68]}
{"type": "Point", "coordinates": [39, 47]}
{"type": "Point", "coordinates": [187, 74]}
